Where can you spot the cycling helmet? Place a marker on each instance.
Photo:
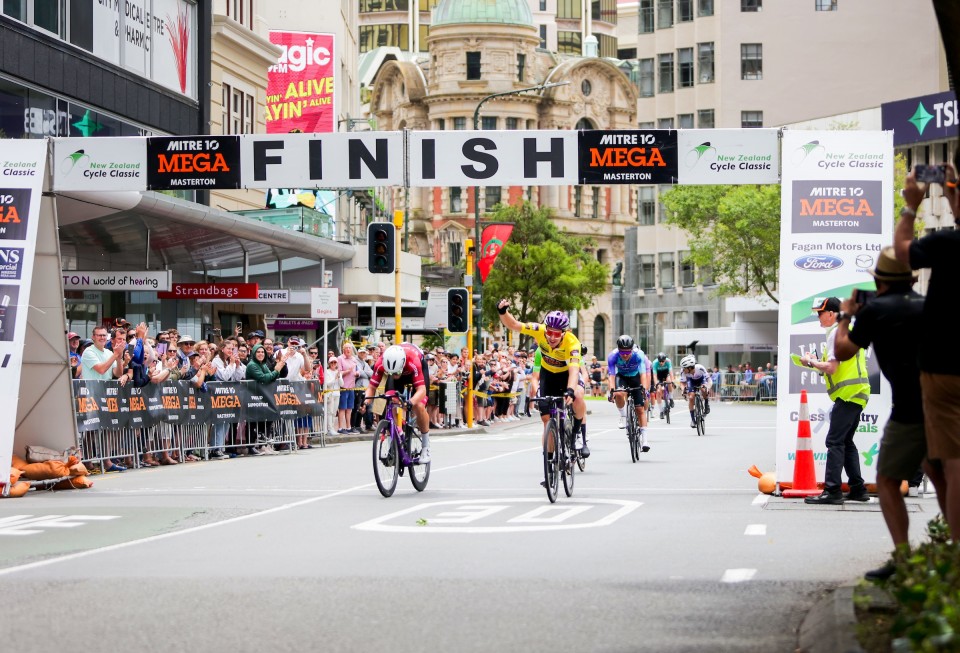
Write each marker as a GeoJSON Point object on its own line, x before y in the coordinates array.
{"type": "Point", "coordinates": [394, 359]}
{"type": "Point", "coordinates": [557, 320]}
{"type": "Point", "coordinates": [624, 342]}
{"type": "Point", "coordinates": [661, 357]}
{"type": "Point", "coordinates": [688, 361]}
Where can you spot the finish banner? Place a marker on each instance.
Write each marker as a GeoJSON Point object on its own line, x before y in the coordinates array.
{"type": "Point", "coordinates": [22, 168]}
{"type": "Point", "coordinates": [107, 405]}
{"type": "Point", "coordinates": [837, 187]}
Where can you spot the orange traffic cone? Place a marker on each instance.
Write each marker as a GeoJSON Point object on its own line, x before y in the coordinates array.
{"type": "Point", "coordinates": [804, 473]}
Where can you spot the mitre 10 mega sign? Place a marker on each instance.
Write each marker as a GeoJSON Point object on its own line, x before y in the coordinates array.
{"type": "Point", "coordinates": [181, 162]}
{"type": "Point", "coordinates": [628, 157]}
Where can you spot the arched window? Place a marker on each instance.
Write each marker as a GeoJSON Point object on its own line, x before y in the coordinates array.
{"type": "Point", "coordinates": [599, 337]}
{"type": "Point", "coordinates": [585, 123]}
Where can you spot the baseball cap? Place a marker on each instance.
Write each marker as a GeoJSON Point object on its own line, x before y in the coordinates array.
{"type": "Point", "coordinates": [294, 342]}
{"type": "Point", "coordinates": [821, 304]}
{"type": "Point", "coordinates": [72, 335]}
{"type": "Point", "coordinates": [256, 334]}
{"type": "Point", "coordinates": [192, 354]}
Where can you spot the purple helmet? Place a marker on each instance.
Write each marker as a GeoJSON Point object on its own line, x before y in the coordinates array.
{"type": "Point", "coordinates": [557, 320]}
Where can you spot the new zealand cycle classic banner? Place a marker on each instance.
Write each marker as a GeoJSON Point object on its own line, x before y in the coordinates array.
{"type": "Point", "coordinates": [107, 405]}
{"type": "Point", "coordinates": [22, 169]}
{"type": "Point", "coordinates": [836, 215]}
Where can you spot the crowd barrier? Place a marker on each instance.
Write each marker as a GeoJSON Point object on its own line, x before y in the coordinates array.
{"type": "Point", "coordinates": [125, 422]}
{"type": "Point", "coordinates": [734, 386]}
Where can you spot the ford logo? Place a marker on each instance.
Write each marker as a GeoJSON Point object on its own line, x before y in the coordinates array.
{"type": "Point", "coordinates": [818, 263]}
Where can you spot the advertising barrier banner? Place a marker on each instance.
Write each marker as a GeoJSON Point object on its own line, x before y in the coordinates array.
{"type": "Point", "coordinates": [728, 156]}
{"type": "Point", "coordinates": [107, 405]}
{"type": "Point", "coordinates": [837, 203]}
{"type": "Point", "coordinates": [22, 168]}
{"type": "Point", "coordinates": [628, 157]}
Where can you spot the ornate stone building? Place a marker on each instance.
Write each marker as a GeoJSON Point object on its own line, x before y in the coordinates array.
{"type": "Point", "coordinates": [478, 48]}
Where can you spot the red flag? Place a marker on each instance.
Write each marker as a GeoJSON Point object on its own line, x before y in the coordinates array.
{"type": "Point", "coordinates": [493, 239]}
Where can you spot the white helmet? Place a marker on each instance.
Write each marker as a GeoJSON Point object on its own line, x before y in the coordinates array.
{"type": "Point", "coordinates": [394, 359]}
{"type": "Point", "coordinates": [688, 361]}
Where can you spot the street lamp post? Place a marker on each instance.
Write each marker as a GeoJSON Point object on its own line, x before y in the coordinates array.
{"type": "Point", "coordinates": [478, 283]}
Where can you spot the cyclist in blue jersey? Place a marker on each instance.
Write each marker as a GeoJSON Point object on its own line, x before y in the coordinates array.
{"type": "Point", "coordinates": [696, 379]}
{"type": "Point", "coordinates": [627, 368]}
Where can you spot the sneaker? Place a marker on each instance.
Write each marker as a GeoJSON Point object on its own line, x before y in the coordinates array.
{"type": "Point", "coordinates": [424, 456]}
{"type": "Point", "coordinates": [578, 443]}
{"type": "Point", "coordinates": [825, 498]}
{"type": "Point", "coordinates": [622, 424]}
{"type": "Point", "coordinates": [881, 573]}
{"type": "Point", "coordinates": [645, 448]}
{"type": "Point", "coordinates": [255, 451]}
{"type": "Point", "coordinates": [218, 455]}
{"type": "Point", "coordinates": [661, 414]}
{"type": "Point", "coordinates": [693, 425]}
{"type": "Point", "coordinates": [857, 496]}
{"type": "Point", "coordinates": [353, 431]}
{"type": "Point", "coordinates": [706, 409]}
{"type": "Point", "coordinates": [913, 491]}
{"type": "Point", "coordinates": [585, 450]}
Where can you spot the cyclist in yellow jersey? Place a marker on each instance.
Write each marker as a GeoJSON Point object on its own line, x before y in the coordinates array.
{"type": "Point", "coordinates": [559, 360]}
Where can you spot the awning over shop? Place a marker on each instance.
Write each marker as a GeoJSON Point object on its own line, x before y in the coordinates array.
{"type": "Point", "coordinates": [134, 230]}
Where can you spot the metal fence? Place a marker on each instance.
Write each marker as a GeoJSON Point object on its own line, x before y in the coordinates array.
{"type": "Point", "coordinates": [736, 386]}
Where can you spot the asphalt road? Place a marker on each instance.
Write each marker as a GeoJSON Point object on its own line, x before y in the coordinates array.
{"type": "Point", "coordinates": [677, 552]}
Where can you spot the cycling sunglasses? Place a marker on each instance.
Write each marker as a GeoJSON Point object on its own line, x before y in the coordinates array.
{"type": "Point", "coordinates": [553, 333]}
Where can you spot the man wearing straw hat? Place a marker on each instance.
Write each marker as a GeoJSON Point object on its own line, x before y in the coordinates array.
{"type": "Point", "coordinates": [891, 321]}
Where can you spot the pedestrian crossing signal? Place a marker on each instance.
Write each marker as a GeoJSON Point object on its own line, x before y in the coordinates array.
{"type": "Point", "coordinates": [458, 316]}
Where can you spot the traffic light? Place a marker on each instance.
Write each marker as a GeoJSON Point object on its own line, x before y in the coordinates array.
{"type": "Point", "coordinates": [458, 317]}
{"type": "Point", "coordinates": [381, 245]}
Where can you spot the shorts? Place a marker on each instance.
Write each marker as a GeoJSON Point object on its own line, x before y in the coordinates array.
{"type": "Point", "coordinates": [552, 384]}
{"type": "Point", "coordinates": [662, 376]}
{"type": "Point", "coordinates": [902, 450]}
{"type": "Point", "coordinates": [346, 399]}
{"type": "Point", "coordinates": [693, 384]}
{"type": "Point", "coordinates": [941, 415]}
{"type": "Point", "coordinates": [637, 391]}
{"type": "Point", "coordinates": [304, 422]}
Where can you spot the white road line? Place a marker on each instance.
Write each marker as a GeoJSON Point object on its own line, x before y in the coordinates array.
{"type": "Point", "coordinates": [737, 575]}
{"type": "Point", "coordinates": [195, 529]}
{"type": "Point", "coordinates": [756, 529]}
{"type": "Point", "coordinates": [760, 500]}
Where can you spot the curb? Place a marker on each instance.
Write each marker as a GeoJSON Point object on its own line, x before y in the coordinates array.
{"type": "Point", "coordinates": [831, 625]}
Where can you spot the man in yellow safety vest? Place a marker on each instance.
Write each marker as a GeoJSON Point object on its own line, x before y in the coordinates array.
{"type": "Point", "coordinates": [849, 389]}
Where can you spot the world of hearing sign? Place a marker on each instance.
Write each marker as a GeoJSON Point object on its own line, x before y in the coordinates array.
{"type": "Point", "coordinates": [436, 158]}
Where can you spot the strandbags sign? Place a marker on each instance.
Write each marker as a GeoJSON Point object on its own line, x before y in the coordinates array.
{"type": "Point", "coordinates": [225, 292]}
{"type": "Point", "coordinates": [301, 85]}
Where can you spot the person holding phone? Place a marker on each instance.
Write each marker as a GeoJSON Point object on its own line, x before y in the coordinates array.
{"type": "Point", "coordinates": [890, 320]}
{"type": "Point", "coordinates": [939, 359]}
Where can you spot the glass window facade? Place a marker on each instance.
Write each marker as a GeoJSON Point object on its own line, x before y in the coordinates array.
{"type": "Point", "coordinates": [570, 42]}
{"type": "Point", "coordinates": [684, 11]}
{"type": "Point", "coordinates": [751, 118]}
{"type": "Point", "coordinates": [685, 121]}
{"type": "Point", "coordinates": [646, 17]}
{"type": "Point", "coordinates": [648, 271]}
{"type": "Point", "coordinates": [705, 60]}
{"type": "Point", "coordinates": [685, 67]}
{"type": "Point", "coordinates": [704, 7]}
{"type": "Point", "coordinates": [376, 36]}
{"type": "Point", "coordinates": [665, 66]}
{"type": "Point", "coordinates": [664, 14]}
{"type": "Point", "coordinates": [705, 119]}
{"type": "Point", "coordinates": [667, 272]}
{"type": "Point", "coordinates": [646, 75]}
{"type": "Point", "coordinates": [751, 61]}
{"type": "Point", "coordinates": [646, 205]}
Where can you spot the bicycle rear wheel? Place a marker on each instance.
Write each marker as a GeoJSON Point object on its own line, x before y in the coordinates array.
{"type": "Point", "coordinates": [632, 434]}
{"type": "Point", "coordinates": [666, 410]}
{"type": "Point", "coordinates": [386, 459]}
{"type": "Point", "coordinates": [551, 465]}
{"type": "Point", "coordinates": [419, 473]}
{"type": "Point", "coordinates": [581, 461]}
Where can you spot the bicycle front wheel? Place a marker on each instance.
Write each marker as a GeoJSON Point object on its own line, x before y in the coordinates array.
{"type": "Point", "coordinates": [419, 473]}
{"type": "Point", "coordinates": [386, 459]}
{"type": "Point", "coordinates": [633, 435]}
{"type": "Point", "coordinates": [551, 457]}
{"type": "Point", "coordinates": [567, 464]}
{"type": "Point", "coordinates": [698, 414]}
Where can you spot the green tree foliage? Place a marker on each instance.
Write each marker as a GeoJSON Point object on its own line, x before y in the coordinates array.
{"type": "Point", "coordinates": [541, 268]}
{"type": "Point", "coordinates": [734, 231]}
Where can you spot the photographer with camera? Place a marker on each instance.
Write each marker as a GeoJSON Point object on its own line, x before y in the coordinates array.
{"type": "Point", "coordinates": [939, 362]}
{"type": "Point", "coordinates": [890, 319]}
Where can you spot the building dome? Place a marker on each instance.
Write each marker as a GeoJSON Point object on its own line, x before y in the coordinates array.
{"type": "Point", "coordinates": [504, 12]}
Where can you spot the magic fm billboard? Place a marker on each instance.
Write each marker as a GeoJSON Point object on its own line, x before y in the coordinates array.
{"type": "Point", "coordinates": [301, 85]}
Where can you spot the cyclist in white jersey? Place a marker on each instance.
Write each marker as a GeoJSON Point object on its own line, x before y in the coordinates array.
{"type": "Point", "coordinates": [695, 377]}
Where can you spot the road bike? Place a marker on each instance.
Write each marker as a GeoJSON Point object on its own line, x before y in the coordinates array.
{"type": "Point", "coordinates": [633, 426]}
{"type": "Point", "coordinates": [397, 446]}
{"type": "Point", "coordinates": [698, 416]}
{"type": "Point", "coordinates": [667, 398]}
{"type": "Point", "coordinates": [560, 455]}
